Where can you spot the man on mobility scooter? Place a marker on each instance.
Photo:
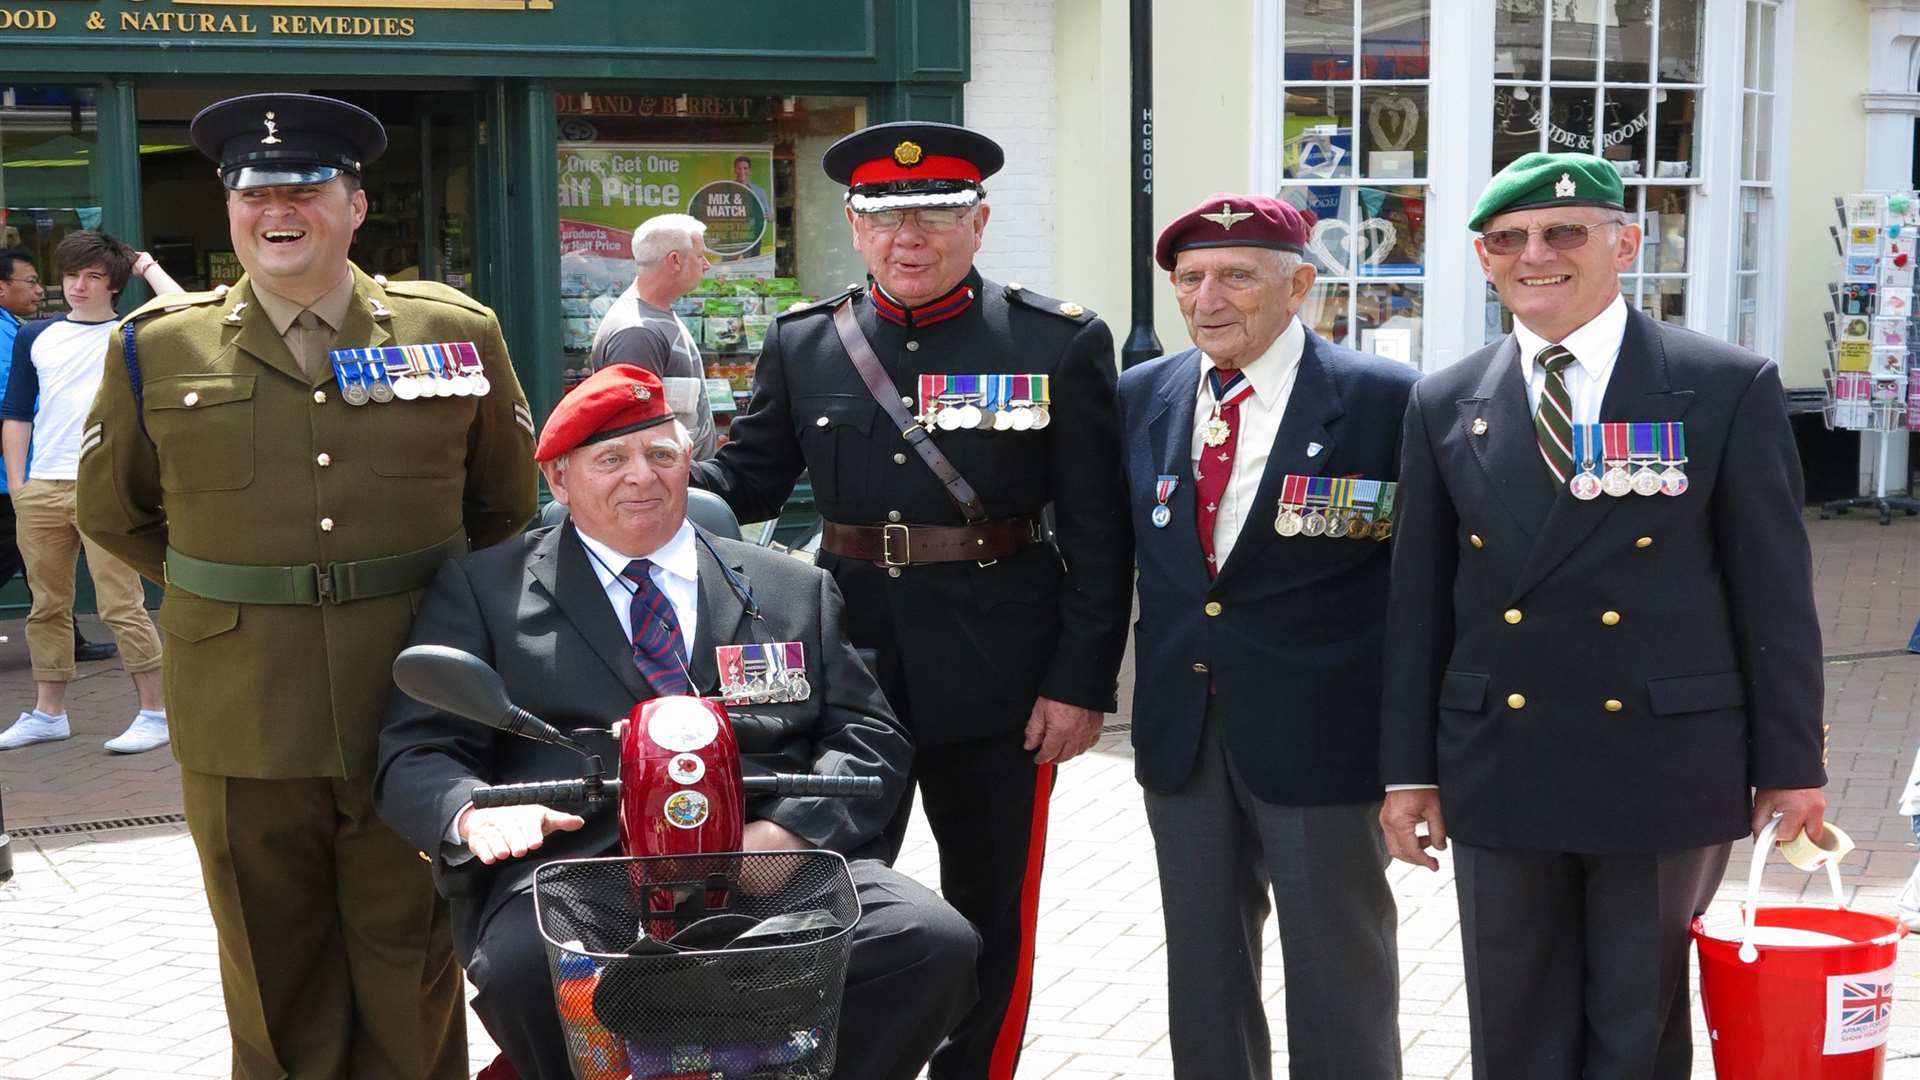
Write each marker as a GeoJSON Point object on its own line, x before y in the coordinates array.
{"type": "Point", "coordinates": [555, 612]}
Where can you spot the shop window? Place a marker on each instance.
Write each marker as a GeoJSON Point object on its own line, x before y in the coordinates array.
{"type": "Point", "coordinates": [749, 167]}
{"type": "Point", "coordinates": [1751, 284]}
{"type": "Point", "coordinates": [1620, 79]}
{"type": "Point", "coordinates": [1353, 149]}
{"type": "Point", "coordinates": [48, 142]}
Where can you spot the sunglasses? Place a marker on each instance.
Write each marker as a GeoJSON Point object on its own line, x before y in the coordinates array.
{"type": "Point", "coordinates": [1558, 237]}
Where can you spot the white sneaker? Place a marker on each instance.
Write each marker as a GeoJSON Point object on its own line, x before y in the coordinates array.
{"type": "Point", "coordinates": [144, 734]}
{"type": "Point", "coordinates": [30, 729]}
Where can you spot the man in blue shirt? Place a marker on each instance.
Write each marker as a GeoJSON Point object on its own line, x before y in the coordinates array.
{"type": "Point", "coordinates": [21, 295]}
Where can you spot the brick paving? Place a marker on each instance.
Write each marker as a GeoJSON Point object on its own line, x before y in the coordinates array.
{"type": "Point", "coordinates": [108, 968]}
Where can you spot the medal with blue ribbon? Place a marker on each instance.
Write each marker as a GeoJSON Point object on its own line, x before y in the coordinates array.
{"type": "Point", "coordinates": [1673, 454]}
{"type": "Point", "coordinates": [1643, 454]}
{"type": "Point", "coordinates": [1585, 482]}
{"type": "Point", "coordinates": [347, 372]}
{"type": "Point", "coordinates": [1366, 495]}
{"type": "Point", "coordinates": [1162, 491]}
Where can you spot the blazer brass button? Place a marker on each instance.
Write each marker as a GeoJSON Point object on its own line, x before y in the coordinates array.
{"type": "Point", "coordinates": [192, 399]}
{"type": "Point", "coordinates": [1610, 618]}
{"type": "Point", "coordinates": [1474, 539]}
{"type": "Point", "coordinates": [323, 460]}
{"type": "Point", "coordinates": [1644, 542]}
{"type": "Point", "coordinates": [326, 524]}
{"type": "Point", "coordinates": [893, 515]}
{"type": "Point", "coordinates": [1613, 705]}
{"type": "Point", "coordinates": [913, 346]}
{"type": "Point", "coordinates": [1201, 668]}
{"type": "Point", "coordinates": [1213, 607]}
{"type": "Point", "coordinates": [822, 422]}
{"type": "Point", "coordinates": [1513, 616]}
{"type": "Point", "coordinates": [899, 459]}
{"type": "Point", "coordinates": [1516, 701]}
{"type": "Point", "coordinates": [319, 397]}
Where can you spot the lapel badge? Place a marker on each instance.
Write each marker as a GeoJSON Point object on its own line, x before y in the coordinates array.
{"type": "Point", "coordinates": [1566, 188]}
{"type": "Point", "coordinates": [1313, 449]}
{"type": "Point", "coordinates": [272, 135]}
{"type": "Point", "coordinates": [907, 154]}
{"type": "Point", "coordinates": [1479, 425]}
{"type": "Point", "coordinates": [379, 309]}
{"type": "Point", "coordinates": [1226, 218]}
{"type": "Point", "coordinates": [233, 316]}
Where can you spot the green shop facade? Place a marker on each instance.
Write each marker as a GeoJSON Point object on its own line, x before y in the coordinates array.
{"type": "Point", "coordinates": [528, 137]}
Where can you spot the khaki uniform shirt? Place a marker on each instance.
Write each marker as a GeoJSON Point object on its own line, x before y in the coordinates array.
{"type": "Point", "coordinates": [241, 453]}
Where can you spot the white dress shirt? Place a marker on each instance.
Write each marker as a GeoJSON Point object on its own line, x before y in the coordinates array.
{"type": "Point", "coordinates": [675, 571]}
{"type": "Point", "coordinates": [1595, 347]}
{"type": "Point", "coordinates": [1272, 376]}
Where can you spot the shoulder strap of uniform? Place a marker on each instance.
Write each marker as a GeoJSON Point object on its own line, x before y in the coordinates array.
{"type": "Point", "coordinates": [167, 302]}
{"type": "Point", "coordinates": [822, 305]}
{"type": "Point", "coordinates": [1066, 309]}
{"type": "Point", "coordinates": [434, 290]}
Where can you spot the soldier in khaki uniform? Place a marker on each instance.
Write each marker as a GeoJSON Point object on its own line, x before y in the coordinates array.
{"type": "Point", "coordinates": [296, 519]}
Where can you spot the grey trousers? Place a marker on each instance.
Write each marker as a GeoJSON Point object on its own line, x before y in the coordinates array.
{"type": "Point", "coordinates": [1577, 964]}
{"type": "Point", "coordinates": [1220, 849]}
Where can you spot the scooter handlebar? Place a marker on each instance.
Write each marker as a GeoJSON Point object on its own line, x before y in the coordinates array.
{"type": "Point", "coordinates": [547, 792]}
{"type": "Point", "coordinates": [808, 785]}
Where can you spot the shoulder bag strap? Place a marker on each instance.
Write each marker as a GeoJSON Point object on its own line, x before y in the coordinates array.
{"type": "Point", "coordinates": [882, 389]}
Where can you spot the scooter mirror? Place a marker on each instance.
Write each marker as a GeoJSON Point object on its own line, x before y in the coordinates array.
{"type": "Point", "coordinates": [453, 680]}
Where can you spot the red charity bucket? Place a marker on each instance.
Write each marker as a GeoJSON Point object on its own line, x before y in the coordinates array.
{"type": "Point", "coordinates": [1799, 1012]}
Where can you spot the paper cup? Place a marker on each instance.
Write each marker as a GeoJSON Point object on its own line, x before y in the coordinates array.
{"type": "Point", "coordinates": [1807, 855]}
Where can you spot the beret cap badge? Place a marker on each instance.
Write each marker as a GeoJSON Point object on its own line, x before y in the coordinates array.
{"type": "Point", "coordinates": [1226, 218]}
{"type": "Point", "coordinates": [907, 154]}
{"type": "Point", "coordinates": [641, 393]}
{"type": "Point", "coordinates": [1566, 188]}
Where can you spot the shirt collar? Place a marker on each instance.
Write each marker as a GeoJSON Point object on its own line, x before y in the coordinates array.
{"type": "Point", "coordinates": [1269, 372]}
{"type": "Point", "coordinates": [678, 556]}
{"type": "Point", "coordinates": [1593, 346]}
{"type": "Point", "coordinates": [331, 308]}
{"type": "Point", "coordinates": [946, 307]}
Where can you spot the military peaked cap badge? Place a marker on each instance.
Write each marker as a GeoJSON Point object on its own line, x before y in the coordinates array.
{"type": "Point", "coordinates": [1566, 188]}
{"type": "Point", "coordinates": [271, 137]}
{"type": "Point", "coordinates": [907, 154]}
{"type": "Point", "coordinates": [1226, 218]}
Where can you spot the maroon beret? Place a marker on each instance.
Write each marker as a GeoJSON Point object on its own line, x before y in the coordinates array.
{"type": "Point", "coordinates": [614, 401]}
{"type": "Point", "coordinates": [1224, 219]}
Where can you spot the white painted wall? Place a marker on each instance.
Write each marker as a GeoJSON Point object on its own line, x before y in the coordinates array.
{"type": "Point", "coordinates": [1012, 98]}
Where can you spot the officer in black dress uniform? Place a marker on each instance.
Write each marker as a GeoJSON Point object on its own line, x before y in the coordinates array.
{"type": "Point", "coordinates": [998, 638]}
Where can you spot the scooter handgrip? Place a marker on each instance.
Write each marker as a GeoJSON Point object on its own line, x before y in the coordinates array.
{"type": "Point", "coordinates": [549, 792]}
{"type": "Point", "coordinates": [809, 785]}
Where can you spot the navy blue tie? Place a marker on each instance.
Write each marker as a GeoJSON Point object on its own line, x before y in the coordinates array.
{"type": "Point", "coordinates": [658, 648]}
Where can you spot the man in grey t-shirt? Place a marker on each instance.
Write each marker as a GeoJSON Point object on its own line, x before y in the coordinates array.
{"type": "Point", "coordinates": [669, 259]}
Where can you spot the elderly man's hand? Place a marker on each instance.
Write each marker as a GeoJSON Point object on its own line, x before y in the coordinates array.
{"type": "Point", "coordinates": [1401, 812]}
{"type": "Point", "coordinates": [511, 831]}
{"type": "Point", "coordinates": [1061, 732]}
{"type": "Point", "coordinates": [1799, 809]}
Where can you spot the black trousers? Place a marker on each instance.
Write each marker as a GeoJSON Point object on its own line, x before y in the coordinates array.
{"type": "Point", "coordinates": [986, 802]}
{"type": "Point", "coordinates": [1577, 964]}
{"type": "Point", "coordinates": [909, 979]}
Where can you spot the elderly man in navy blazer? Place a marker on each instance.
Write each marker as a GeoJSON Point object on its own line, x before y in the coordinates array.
{"type": "Point", "coordinates": [1259, 467]}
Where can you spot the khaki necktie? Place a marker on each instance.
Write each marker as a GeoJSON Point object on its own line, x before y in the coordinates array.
{"type": "Point", "coordinates": [310, 342]}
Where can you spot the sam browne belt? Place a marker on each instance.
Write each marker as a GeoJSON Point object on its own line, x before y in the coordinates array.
{"type": "Point", "coordinates": [906, 545]}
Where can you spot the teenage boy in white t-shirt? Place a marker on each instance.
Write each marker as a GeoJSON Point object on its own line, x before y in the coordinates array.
{"type": "Point", "coordinates": [57, 367]}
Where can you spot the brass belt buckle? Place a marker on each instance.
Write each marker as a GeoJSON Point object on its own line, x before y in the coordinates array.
{"type": "Point", "coordinates": [887, 535]}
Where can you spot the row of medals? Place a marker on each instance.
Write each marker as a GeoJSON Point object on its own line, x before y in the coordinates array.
{"type": "Point", "coordinates": [1015, 416]}
{"type": "Point", "coordinates": [768, 689]}
{"type": "Point", "coordinates": [373, 382]}
{"type": "Point", "coordinates": [1666, 478]}
{"type": "Point", "coordinates": [1332, 523]}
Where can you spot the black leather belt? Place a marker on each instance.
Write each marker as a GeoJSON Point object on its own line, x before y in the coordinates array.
{"type": "Point", "coordinates": [905, 545]}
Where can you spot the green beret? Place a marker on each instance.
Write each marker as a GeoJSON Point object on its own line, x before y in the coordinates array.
{"type": "Point", "coordinates": [1536, 180]}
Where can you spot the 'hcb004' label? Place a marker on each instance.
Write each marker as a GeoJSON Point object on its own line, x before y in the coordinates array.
{"type": "Point", "coordinates": [1859, 1011]}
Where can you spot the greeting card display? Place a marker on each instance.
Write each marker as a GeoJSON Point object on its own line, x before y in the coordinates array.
{"type": "Point", "coordinates": [1870, 328]}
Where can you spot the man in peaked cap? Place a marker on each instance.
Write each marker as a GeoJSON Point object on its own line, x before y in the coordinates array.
{"type": "Point", "coordinates": [1603, 661]}
{"type": "Point", "coordinates": [628, 600]}
{"type": "Point", "coordinates": [295, 500]}
{"type": "Point", "coordinates": [1253, 648]}
{"type": "Point", "coordinates": [998, 640]}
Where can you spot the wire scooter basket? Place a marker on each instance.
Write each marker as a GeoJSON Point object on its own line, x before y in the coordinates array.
{"type": "Point", "coordinates": [725, 966]}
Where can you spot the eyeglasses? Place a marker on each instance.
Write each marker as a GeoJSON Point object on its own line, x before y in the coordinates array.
{"type": "Point", "coordinates": [29, 282]}
{"type": "Point", "coordinates": [934, 219]}
{"type": "Point", "coordinates": [1558, 237]}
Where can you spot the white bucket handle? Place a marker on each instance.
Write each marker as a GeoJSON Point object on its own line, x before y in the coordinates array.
{"type": "Point", "coordinates": [1761, 845]}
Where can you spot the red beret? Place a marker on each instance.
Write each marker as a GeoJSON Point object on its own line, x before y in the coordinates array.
{"type": "Point", "coordinates": [1227, 220]}
{"type": "Point", "coordinates": [614, 401]}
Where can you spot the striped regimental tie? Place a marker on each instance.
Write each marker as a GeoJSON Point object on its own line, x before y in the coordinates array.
{"type": "Point", "coordinates": [658, 649]}
{"type": "Point", "coordinates": [1553, 419]}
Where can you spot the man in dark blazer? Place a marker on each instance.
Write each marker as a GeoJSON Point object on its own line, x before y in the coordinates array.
{"type": "Point", "coordinates": [1254, 724]}
{"type": "Point", "coordinates": [1601, 639]}
{"type": "Point", "coordinates": [999, 639]}
{"type": "Point", "coordinates": [551, 611]}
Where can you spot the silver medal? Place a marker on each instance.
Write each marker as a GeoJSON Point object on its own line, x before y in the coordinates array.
{"type": "Point", "coordinates": [1161, 516]}
{"type": "Point", "coordinates": [404, 386]}
{"type": "Point", "coordinates": [947, 419]}
{"type": "Point", "coordinates": [1003, 420]}
{"type": "Point", "coordinates": [1616, 482]}
{"type": "Point", "coordinates": [480, 384]}
{"type": "Point", "coordinates": [442, 386]}
{"type": "Point", "coordinates": [380, 390]}
{"type": "Point", "coordinates": [797, 686]}
{"type": "Point", "coordinates": [1312, 524]}
{"type": "Point", "coordinates": [1584, 485]}
{"type": "Point", "coordinates": [1288, 523]}
{"type": "Point", "coordinates": [1646, 482]}
{"type": "Point", "coordinates": [1336, 524]}
{"type": "Point", "coordinates": [354, 392]}
{"type": "Point", "coordinates": [1041, 418]}
{"type": "Point", "coordinates": [1673, 481]}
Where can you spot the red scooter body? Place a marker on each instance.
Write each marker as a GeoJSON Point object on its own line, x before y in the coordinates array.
{"type": "Point", "coordinates": [680, 790]}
